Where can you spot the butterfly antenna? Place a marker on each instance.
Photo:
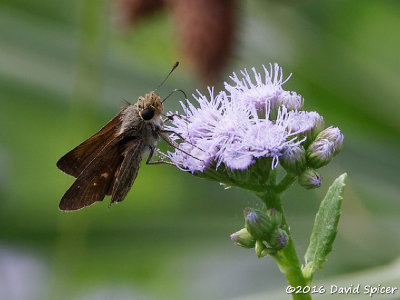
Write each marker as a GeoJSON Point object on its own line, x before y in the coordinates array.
{"type": "Point", "coordinates": [173, 69]}
{"type": "Point", "coordinates": [174, 91]}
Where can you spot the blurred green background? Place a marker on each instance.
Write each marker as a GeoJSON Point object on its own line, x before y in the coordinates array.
{"type": "Point", "coordinates": [65, 70]}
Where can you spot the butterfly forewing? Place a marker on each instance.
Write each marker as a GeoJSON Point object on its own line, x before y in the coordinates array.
{"type": "Point", "coordinates": [99, 178]}
{"type": "Point", "coordinates": [75, 161]}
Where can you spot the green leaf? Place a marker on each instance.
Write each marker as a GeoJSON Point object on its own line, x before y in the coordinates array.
{"type": "Point", "coordinates": [325, 228]}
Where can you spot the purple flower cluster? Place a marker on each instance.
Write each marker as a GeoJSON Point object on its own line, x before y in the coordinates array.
{"type": "Point", "coordinates": [252, 118]}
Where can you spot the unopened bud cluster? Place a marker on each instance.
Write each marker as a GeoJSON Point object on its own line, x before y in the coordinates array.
{"type": "Point", "coordinates": [262, 231]}
{"type": "Point", "coordinates": [321, 147]}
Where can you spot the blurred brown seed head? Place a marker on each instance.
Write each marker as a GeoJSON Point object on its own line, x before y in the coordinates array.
{"type": "Point", "coordinates": [130, 11]}
{"type": "Point", "coordinates": [205, 30]}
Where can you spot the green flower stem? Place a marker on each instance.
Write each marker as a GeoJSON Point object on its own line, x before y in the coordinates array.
{"type": "Point", "coordinates": [286, 258]}
{"type": "Point", "coordinates": [285, 183]}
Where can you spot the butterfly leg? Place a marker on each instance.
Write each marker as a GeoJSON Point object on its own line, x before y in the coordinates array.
{"type": "Point", "coordinates": [174, 144]}
{"type": "Point", "coordinates": [157, 162]}
{"type": "Point", "coordinates": [181, 137]}
{"type": "Point", "coordinates": [170, 117]}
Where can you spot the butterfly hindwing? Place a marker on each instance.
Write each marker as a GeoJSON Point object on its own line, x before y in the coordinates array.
{"type": "Point", "coordinates": [94, 181]}
{"type": "Point", "coordinates": [111, 172]}
{"type": "Point", "coordinates": [128, 170]}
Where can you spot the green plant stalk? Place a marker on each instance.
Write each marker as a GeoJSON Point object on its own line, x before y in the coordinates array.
{"type": "Point", "coordinates": [287, 259]}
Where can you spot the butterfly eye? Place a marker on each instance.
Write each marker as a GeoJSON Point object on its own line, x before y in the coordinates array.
{"type": "Point", "coordinates": [147, 114]}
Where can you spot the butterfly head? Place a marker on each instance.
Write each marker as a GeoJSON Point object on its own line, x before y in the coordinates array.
{"type": "Point", "coordinates": [149, 106]}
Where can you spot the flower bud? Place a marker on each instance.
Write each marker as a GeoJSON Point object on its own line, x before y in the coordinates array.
{"type": "Point", "coordinates": [258, 224]}
{"type": "Point", "coordinates": [327, 144]}
{"type": "Point", "coordinates": [333, 135]}
{"type": "Point", "coordinates": [243, 238]}
{"type": "Point", "coordinates": [310, 179]}
{"type": "Point", "coordinates": [291, 100]}
{"type": "Point", "coordinates": [319, 125]}
{"type": "Point", "coordinates": [279, 239]}
{"type": "Point", "coordinates": [293, 160]}
{"type": "Point", "coordinates": [320, 153]}
{"type": "Point", "coordinates": [306, 125]}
